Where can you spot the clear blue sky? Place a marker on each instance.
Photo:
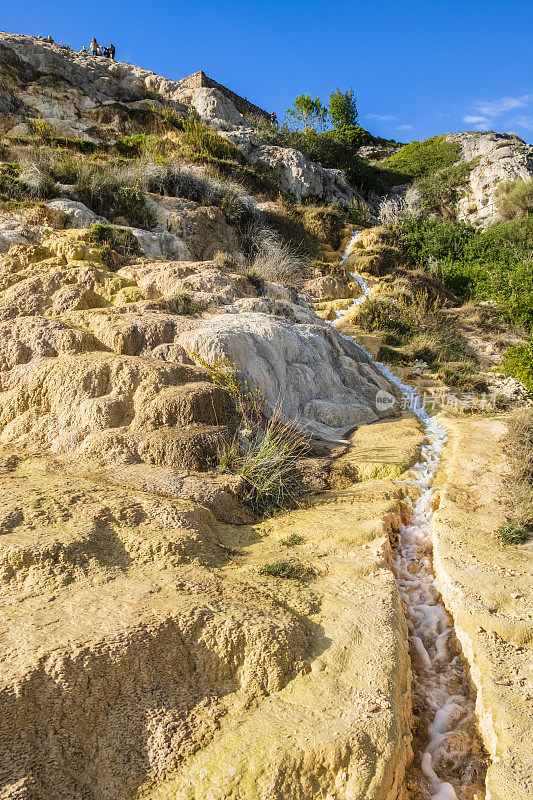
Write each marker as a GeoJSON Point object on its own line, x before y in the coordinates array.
{"type": "Point", "coordinates": [418, 68]}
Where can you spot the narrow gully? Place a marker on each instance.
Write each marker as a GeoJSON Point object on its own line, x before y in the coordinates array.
{"type": "Point", "coordinates": [449, 761]}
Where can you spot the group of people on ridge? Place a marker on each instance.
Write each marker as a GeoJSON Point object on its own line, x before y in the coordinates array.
{"type": "Point", "coordinates": [100, 50]}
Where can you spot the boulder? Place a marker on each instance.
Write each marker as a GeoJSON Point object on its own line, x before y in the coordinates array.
{"type": "Point", "coordinates": [78, 215]}
{"type": "Point", "coordinates": [326, 287]}
{"type": "Point", "coordinates": [314, 375]}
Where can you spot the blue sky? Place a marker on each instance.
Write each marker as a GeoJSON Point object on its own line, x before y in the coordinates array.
{"type": "Point", "coordinates": [418, 68]}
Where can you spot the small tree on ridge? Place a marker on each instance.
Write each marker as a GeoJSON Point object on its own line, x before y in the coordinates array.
{"type": "Point", "coordinates": [308, 113]}
{"type": "Point", "coordinates": [343, 109]}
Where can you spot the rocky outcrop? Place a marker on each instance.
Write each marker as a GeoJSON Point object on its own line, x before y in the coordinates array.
{"type": "Point", "coordinates": [300, 177]}
{"type": "Point", "coordinates": [91, 97]}
{"type": "Point", "coordinates": [499, 157]}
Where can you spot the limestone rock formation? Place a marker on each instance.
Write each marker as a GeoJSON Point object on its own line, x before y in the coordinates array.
{"type": "Point", "coordinates": [502, 156]}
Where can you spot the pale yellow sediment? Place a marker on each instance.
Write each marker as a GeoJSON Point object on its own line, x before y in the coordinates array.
{"type": "Point", "coordinates": [488, 589]}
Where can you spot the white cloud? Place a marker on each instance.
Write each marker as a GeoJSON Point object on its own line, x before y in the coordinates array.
{"type": "Point", "coordinates": [404, 127]}
{"type": "Point", "coordinates": [522, 121]}
{"type": "Point", "coordinates": [380, 117]}
{"type": "Point", "coordinates": [493, 108]}
{"type": "Point", "coordinates": [473, 120]}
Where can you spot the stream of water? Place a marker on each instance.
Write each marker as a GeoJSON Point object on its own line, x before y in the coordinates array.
{"type": "Point", "coordinates": [449, 763]}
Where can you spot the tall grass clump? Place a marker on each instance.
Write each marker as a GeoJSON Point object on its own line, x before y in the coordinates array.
{"type": "Point", "coordinates": [265, 452]}
{"type": "Point", "coordinates": [519, 485]}
{"type": "Point", "coordinates": [277, 261]}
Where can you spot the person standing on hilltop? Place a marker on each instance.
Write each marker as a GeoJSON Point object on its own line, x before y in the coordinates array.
{"type": "Point", "coordinates": [94, 47]}
{"type": "Point", "coordinates": [111, 51]}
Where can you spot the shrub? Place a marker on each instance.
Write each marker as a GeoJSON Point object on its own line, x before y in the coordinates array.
{"type": "Point", "coordinates": [12, 189]}
{"type": "Point", "coordinates": [204, 142]}
{"type": "Point", "coordinates": [40, 128]}
{"type": "Point", "coordinates": [183, 304]}
{"type": "Point", "coordinates": [512, 534]}
{"type": "Point", "coordinates": [223, 372]}
{"type": "Point", "coordinates": [266, 129]}
{"type": "Point", "coordinates": [482, 265]}
{"type": "Point", "coordinates": [120, 239]}
{"type": "Point", "coordinates": [515, 199]}
{"type": "Point", "coordinates": [270, 465]}
{"type": "Point", "coordinates": [269, 462]}
{"type": "Point", "coordinates": [137, 145]}
{"type": "Point", "coordinates": [419, 159]}
{"type": "Point", "coordinates": [463, 376]}
{"type": "Point", "coordinates": [170, 116]}
{"type": "Point", "coordinates": [518, 363]}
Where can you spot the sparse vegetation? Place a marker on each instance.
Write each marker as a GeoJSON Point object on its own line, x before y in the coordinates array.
{"type": "Point", "coordinates": [515, 199]}
{"type": "Point", "coordinates": [292, 540]}
{"type": "Point", "coordinates": [519, 448]}
{"type": "Point", "coordinates": [268, 451]}
{"type": "Point", "coordinates": [284, 569]}
{"type": "Point", "coordinates": [278, 262]}
{"type": "Point", "coordinates": [420, 326]}
{"type": "Point", "coordinates": [183, 304]}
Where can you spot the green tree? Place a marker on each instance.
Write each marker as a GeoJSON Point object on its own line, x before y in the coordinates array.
{"type": "Point", "coordinates": [307, 113]}
{"type": "Point", "coordinates": [343, 109]}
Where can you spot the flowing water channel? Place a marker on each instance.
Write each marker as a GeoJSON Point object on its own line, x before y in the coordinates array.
{"type": "Point", "coordinates": [449, 762]}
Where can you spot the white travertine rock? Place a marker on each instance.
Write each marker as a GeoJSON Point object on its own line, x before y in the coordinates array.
{"type": "Point", "coordinates": [315, 375]}
{"type": "Point", "coordinates": [502, 156]}
{"type": "Point", "coordinates": [79, 216]}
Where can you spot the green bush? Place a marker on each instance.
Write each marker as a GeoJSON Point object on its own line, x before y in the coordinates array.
{"type": "Point", "coordinates": [482, 265]}
{"type": "Point", "coordinates": [12, 189]}
{"type": "Point", "coordinates": [170, 116]}
{"type": "Point", "coordinates": [419, 159]}
{"type": "Point", "coordinates": [513, 534]}
{"type": "Point", "coordinates": [518, 363]}
{"type": "Point", "coordinates": [203, 142]}
{"type": "Point", "coordinates": [137, 145]}
{"type": "Point", "coordinates": [515, 199]}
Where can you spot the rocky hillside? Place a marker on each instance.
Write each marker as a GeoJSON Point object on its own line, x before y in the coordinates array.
{"type": "Point", "coordinates": [129, 634]}
{"type": "Point", "coordinates": [205, 477]}
{"type": "Point", "coordinates": [98, 99]}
